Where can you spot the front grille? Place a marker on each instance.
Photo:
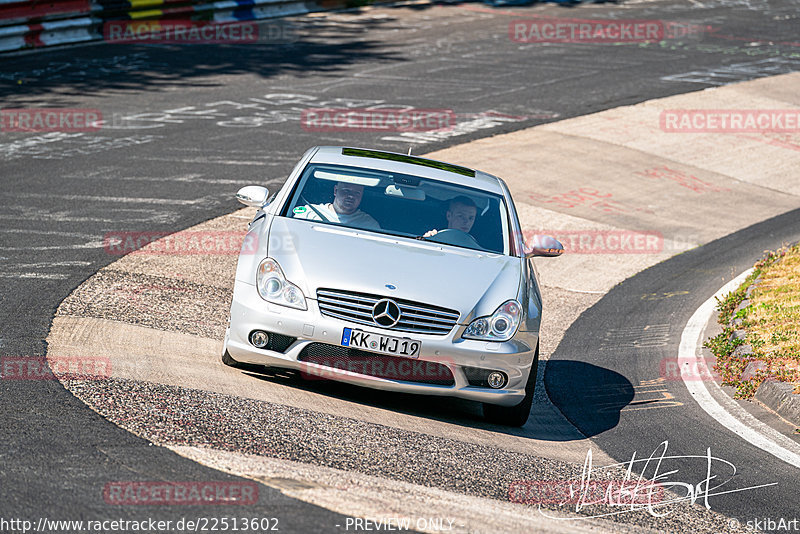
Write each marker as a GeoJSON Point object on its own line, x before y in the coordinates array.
{"type": "Point", "coordinates": [377, 365]}
{"type": "Point", "coordinates": [414, 317]}
{"type": "Point", "coordinates": [279, 342]}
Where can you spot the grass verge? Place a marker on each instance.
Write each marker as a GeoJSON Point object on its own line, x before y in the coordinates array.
{"type": "Point", "coordinates": [771, 320]}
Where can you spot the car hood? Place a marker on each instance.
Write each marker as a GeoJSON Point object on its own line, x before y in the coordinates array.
{"type": "Point", "coordinates": [317, 256]}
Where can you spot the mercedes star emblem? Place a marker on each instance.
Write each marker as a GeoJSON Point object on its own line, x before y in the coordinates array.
{"type": "Point", "coordinates": [386, 313]}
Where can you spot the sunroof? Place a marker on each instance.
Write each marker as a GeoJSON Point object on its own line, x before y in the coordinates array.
{"type": "Point", "coordinates": [377, 154]}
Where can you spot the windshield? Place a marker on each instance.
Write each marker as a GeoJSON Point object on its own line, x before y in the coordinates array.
{"type": "Point", "coordinates": [401, 205]}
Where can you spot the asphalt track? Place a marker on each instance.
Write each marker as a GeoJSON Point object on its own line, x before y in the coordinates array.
{"type": "Point", "coordinates": [178, 165]}
{"type": "Point", "coordinates": [608, 375]}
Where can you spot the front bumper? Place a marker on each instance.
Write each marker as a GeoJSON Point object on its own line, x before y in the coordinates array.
{"type": "Point", "coordinates": [250, 312]}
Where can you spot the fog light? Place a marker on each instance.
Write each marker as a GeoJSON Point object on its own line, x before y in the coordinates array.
{"type": "Point", "coordinates": [259, 339]}
{"type": "Point", "coordinates": [496, 380]}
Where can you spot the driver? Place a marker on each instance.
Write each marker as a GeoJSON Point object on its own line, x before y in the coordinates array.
{"type": "Point", "coordinates": [461, 213]}
{"type": "Point", "coordinates": [343, 210]}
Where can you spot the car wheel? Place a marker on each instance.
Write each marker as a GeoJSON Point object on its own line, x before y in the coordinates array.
{"type": "Point", "coordinates": [515, 415]}
{"type": "Point", "coordinates": [230, 362]}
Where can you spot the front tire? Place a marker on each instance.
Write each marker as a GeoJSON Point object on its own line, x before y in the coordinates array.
{"type": "Point", "coordinates": [230, 362]}
{"type": "Point", "coordinates": [515, 415]}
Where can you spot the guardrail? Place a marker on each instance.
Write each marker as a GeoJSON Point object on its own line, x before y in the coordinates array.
{"type": "Point", "coordinates": [33, 23]}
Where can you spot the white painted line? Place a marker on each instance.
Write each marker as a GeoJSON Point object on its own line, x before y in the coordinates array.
{"type": "Point", "coordinates": [91, 244]}
{"type": "Point", "coordinates": [726, 411]}
{"type": "Point", "coordinates": [587, 291]}
{"type": "Point", "coordinates": [46, 232]}
{"type": "Point", "coordinates": [122, 200]}
{"type": "Point", "coordinates": [47, 276]}
{"type": "Point", "coordinates": [61, 218]}
{"type": "Point", "coordinates": [207, 161]}
{"type": "Point", "coordinates": [161, 215]}
{"type": "Point", "coordinates": [187, 178]}
{"type": "Point", "coordinates": [47, 265]}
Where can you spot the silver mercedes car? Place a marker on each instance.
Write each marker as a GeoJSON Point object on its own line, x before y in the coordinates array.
{"type": "Point", "coordinates": [394, 272]}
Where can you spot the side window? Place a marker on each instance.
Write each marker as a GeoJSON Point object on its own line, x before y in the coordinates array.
{"type": "Point", "coordinates": [488, 228]}
{"type": "Point", "coordinates": [316, 192]}
{"type": "Point", "coordinates": [515, 237]}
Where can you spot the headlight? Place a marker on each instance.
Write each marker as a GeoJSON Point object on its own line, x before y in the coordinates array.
{"type": "Point", "coordinates": [273, 286]}
{"type": "Point", "coordinates": [501, 326]}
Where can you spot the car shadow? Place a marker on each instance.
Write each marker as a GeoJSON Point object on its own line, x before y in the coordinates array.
{"type": "Point", "coordinates": [592, 407]}
{"type": "Point", "coordinates": [429, 406]}
{"type": "Point", "coordinates": [589, 396]}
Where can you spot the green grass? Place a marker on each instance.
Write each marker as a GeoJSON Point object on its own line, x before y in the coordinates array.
{"type": "Point", "coordinates": [770, 321]}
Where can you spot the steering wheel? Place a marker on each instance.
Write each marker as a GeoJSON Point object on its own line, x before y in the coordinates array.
{"type": "Point", "coordinates": [454, 236]}
{"type": "Point", "coordinates": [315, 210]}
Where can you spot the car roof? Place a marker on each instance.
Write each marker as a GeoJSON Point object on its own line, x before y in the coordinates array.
{"type": "Point", "coordinates": [403, 163]}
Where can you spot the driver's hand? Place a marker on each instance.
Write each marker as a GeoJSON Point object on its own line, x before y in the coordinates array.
{"type": "Point", "coordinates": [430, 233]}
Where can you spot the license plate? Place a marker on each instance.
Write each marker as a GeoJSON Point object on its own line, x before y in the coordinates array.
{"type": "Point", "coordinates": [396, 346]}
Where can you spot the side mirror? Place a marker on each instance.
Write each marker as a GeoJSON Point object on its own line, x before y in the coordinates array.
{"type": "Point", "coordinates": [543, 245]}
{"type": "Point", "coordinates": [254, 196]}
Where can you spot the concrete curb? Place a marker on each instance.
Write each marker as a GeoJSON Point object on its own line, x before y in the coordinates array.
{"type": "Point", "coordinates": [778, 397]}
